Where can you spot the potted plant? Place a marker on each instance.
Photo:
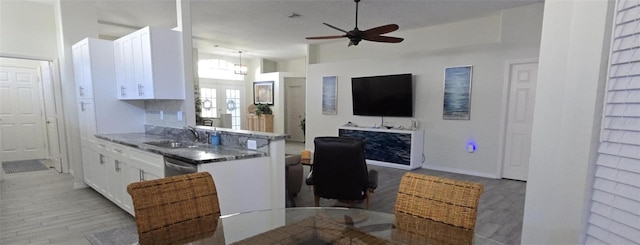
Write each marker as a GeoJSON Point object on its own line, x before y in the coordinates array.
{"type": "Point", "coordinates": [263, 109]}
{"type": "Point", "coordinates": [198, 102]}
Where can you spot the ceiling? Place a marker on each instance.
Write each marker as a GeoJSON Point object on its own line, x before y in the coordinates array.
{"type": "Point", "coordinates": [263, 28]}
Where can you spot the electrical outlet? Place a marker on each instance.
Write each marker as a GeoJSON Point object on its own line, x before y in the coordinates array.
{"type": "Point", "coordinates": [252, 144]}
{"type": "Point", "coordinates": [161, 115]}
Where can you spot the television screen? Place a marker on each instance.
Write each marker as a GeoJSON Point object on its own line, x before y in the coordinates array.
{"type": "Point", "coordinates": [390, 95]}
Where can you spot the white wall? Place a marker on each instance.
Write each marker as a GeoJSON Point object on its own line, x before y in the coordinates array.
{"type": "Point", "coordinates": [486, 43]}
{"type": "Point", "coordinates": [253, 68]}
{"type": "Point", "coordinates": [20, 63]}
{"type": "Point", "coordinates": [74, 22]}
{"type": "Point", "coordinates": [278, 107]}
{"type": "Point", "coordinates": [30, 29]}
{"type": "Point", "coordinates": [27, 29]}
{"type": "Point", "coordinates": [293, 65]}
{"type": "Point", "coordinates": [569, 96]}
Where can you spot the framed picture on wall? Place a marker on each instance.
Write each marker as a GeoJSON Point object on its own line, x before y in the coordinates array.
{"type": "Point", "coordinates": [457, 93]}
{"type": "Point", "coordinates": [330, 95]}
{"type": "Point", "coordinates": [263, 93]}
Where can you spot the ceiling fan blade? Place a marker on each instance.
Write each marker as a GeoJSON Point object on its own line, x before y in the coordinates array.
{"type": "Point", "coordinates": [326, 37]}
{"type": "Point", "coordinates": [335, 27]}
{"type": "Point", "coordinates": [383, 39]}
{"type": "Point", "coordinates": [376, 31]}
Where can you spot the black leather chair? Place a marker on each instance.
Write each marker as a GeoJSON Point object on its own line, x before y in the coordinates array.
{"type": "Point", "coordinates": [340, 172]}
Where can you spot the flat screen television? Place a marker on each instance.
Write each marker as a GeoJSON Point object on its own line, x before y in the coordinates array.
{"type": "Point", "coordinates": [387, 96]}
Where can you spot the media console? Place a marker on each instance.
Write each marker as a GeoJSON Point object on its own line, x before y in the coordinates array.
{"type": "Point", "coordinates": [389, 147]}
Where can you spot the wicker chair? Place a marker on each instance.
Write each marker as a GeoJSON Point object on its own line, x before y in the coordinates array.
{"type": "Point", "coordinates": [175, 210]}
{"type": "Point", "coordinates": [436, 199]}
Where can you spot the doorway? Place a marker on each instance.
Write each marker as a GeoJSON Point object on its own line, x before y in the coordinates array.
{"type": "Point", "coordinates": [295, 108]}
{"type": "Point", "coordinates": [30, 111]}
{"type": "Point", "coordinates": [222, 102]}
{"type": "Point", "coordinates": [522, 78]}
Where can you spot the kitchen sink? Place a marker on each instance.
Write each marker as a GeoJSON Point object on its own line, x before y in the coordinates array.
{"type": "Point", "coordinates": [172, 144]}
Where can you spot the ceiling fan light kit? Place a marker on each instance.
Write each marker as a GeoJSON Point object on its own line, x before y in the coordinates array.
{"type": "Point", "coordinates": [356, 35]}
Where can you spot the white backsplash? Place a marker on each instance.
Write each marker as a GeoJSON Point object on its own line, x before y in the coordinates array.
{"type": "Point", "coordinates": [165, 113]}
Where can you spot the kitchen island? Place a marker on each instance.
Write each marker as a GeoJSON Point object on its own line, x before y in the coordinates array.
{"type": "Point", "coordinates": [246, 179]}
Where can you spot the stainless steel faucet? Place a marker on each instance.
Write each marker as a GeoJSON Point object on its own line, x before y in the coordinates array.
{"type": "Point", "coordinates": [194, 132]}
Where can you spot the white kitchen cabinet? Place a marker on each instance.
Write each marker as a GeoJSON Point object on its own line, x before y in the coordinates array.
{"type": "Point", "coordinates": [82, 69]}
{"type": "Point", "coordinates": [103, 169]}
{"type": "Point", "coordinates": [100, 174]}
{"type": "Point", "coordinates": [118, 175]}
{"type": "Point", "coordinates": [100, 110]}
{"type": "Point", "coordinates": [150, 175]}
{"type": "Point", "coordinates": [122, 178]}
{"type": "Point", "coordinates": [147, 64]}
{"type": "Point", "coordinates": [89, 158]}
{"type": "Point", "coordinates": [129, 172]}
{"type": "Point", "coordinates": [87, 116]}
{"type": "Point", "coordinates": [120, 166]}
{"type": "Point", "coordinates": [151, 165]}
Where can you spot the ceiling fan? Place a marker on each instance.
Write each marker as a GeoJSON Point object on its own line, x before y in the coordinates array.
{"type": "Point", "coordinates": [356, 35]}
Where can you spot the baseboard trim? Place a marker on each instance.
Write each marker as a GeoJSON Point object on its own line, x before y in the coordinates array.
{"type": "Point", "coordinates": [460, 171]}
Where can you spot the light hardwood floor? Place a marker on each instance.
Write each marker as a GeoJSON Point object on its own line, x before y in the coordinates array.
{"type": "Point", "coordinates": [500, 210]}
{"type": "Point", "coordinates": [42, 207]}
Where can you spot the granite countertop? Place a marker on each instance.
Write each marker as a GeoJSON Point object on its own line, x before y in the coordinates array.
{"type": "Point", "coordinates": [202, 153]}
{"type": "Point", "coordinates": [247, 133]}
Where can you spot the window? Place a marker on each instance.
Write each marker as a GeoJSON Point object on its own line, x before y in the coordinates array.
{"type": "Point", "coordinates": [233, 107]}
{"type": "Point", "coordinates": [217, 69]}
{"type": "Point", "coordinates": [208, 100]}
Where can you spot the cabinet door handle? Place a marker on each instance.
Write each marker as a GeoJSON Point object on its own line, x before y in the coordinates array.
{"type": "Point", "coordinates": [117, 166]}
{"type": "Point", "coordinates": [81, 91]}
{"type": "Point", "coordinates": [82, 106]}
{"type": "Point", "coordinates": [118, 150]}
{"type": "Point", "coordinates": [141, 175]}
{"type": "Point", "coordinates": [101, 159]}
{"type": "Point", "coordinates": [140, 90]}
{"type": "Point", "coordinates": [123, 91]}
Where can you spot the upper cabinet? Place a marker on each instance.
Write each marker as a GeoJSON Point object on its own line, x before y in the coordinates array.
{"type": "Point", "coordinates": [149, 65]}
{"type": "Point", "coordinates": [82, 69]}
{"type": "Point", "coordinates": [99, 110]}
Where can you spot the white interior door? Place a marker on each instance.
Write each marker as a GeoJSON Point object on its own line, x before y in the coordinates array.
{"type": "Point", "coordinates": [295, 111]}
{"type": "Point", "coordinates": [522, 90]}
{"type": "Point", "coordinates": [223, 101]}
{"type": "Point", "coordinates": [231, 100]}
{"type": "Point", "coordinates": [21, 117]}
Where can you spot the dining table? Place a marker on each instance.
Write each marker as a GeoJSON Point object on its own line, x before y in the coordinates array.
{"type": "Point", "coordinates": [320, 225]}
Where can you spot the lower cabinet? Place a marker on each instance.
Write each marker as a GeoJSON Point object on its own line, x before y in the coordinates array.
{"type": "Point", "coordinates": [125, 174]}
{"type": "Point", "coordinates": [112, 167]}
{"type": "Point", "coordinates": [262, 123]}
{"type": "Point", "coordinates": [89, 158]}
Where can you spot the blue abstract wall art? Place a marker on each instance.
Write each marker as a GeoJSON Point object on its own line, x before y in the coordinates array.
{"type": "Point", "coordinates": [330, 95]}
{"type": "Point", "coordinates": [457, 93]}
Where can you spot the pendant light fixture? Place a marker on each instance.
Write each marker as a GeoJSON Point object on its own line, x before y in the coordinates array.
{"type": "Point", "coordinates": [240, 69]}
